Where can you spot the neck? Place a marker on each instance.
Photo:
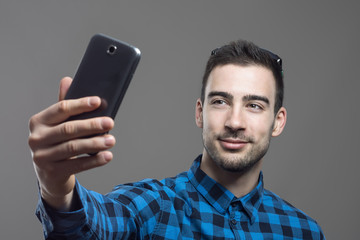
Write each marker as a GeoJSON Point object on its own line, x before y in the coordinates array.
{"type": "Point", "coordinates": [238, 184]}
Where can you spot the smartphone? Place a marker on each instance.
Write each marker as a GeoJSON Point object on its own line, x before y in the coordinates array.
{"type": "Point", "coordinates": [105, 70]}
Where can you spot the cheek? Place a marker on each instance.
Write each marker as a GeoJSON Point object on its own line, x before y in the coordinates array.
{"type": "Point", "coordinates": [213, 121]}
{"type": "Point", "coordinates": [261, 127]}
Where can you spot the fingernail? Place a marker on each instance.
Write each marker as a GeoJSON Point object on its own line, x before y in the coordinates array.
{"type": "Point", "coordinates": [93, 101]}
{"type": "Point", "coordinates": [109, 141]}
{"type": "Point", "coordinates": [107, 156]}
{"type": "Point", "coordinates": [106, 123]}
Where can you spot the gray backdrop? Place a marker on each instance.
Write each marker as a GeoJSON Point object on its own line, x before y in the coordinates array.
{"type": "Point", "coordinates": [312, 165]}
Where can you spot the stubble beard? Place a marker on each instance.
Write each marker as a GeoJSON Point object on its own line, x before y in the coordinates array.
{"type": "Point", "coordinates": [235, 160]}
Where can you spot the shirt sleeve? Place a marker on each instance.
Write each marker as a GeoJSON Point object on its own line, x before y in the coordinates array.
{"type": "Point", "coordinates": [122, 214]}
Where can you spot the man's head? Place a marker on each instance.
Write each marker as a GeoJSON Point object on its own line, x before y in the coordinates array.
{"type": "Point", "coordinates": [246, 53]}
{"type": "Point", "coordinates": [240, 107]}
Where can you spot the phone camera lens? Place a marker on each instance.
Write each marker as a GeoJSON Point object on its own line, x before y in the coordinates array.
{"type": "Point", "coordinates": [111, 49]}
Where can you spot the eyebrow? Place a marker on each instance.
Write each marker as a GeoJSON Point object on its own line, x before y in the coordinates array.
{"type": "Point", "coordinates": [221, 94]}
{"type": "Point", "coordinates": [251, 97]}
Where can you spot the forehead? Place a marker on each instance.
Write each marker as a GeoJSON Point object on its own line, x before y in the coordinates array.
{"type": "Point", "coordinates": [242, 80]}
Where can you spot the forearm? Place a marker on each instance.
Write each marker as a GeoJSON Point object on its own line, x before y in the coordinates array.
{"type": "Point", "coordinates": [91, 220]}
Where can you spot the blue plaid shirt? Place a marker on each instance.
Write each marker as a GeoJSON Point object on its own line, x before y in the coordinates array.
{"type": "Point", "coordinates": [188, 206]}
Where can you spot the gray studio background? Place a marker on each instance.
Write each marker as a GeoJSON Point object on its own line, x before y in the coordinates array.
{"type": "Point", "coordinates": [313, 164]}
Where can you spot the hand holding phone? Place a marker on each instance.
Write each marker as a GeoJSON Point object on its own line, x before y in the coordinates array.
{"type": "Point", "coordinates": [58, 151]}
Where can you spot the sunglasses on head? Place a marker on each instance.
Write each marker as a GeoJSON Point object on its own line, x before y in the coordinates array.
{"type": "Point", "coordinates": [273, 56]}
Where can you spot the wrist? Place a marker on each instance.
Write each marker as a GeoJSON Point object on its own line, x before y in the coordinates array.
{"type": "Point", "coordinates": [65, 203]}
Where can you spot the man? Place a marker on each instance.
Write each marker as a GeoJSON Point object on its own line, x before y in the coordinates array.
{"type": "Point", "coordinates": [220, 197]}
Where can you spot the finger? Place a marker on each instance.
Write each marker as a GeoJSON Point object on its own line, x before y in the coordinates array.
{"type": "Point", "coordinates": [64, 87]}
{"type": "Point", "coordinates": [80, 164]}
{"type": "Point", "coordinates": [62, 110]}
{"type": "Point", "coordinates": [72, 149]}
{"type": "Point", "coordinates": [74, 129]}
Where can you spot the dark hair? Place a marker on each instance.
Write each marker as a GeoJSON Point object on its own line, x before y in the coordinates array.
{"type": "Point", "coordinates": [246, 53]}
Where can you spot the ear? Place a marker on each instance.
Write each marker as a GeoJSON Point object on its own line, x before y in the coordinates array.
{"type": "Point", "coordinates": [199, 114]}
{"type": "Point", "coordinates": [280, 121]}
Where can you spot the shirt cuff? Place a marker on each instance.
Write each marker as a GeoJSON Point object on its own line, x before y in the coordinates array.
{"type": "Point", "coordinates": [54, 221]}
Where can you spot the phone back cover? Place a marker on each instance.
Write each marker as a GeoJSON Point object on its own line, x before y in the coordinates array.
{"type": "Point", "coordinates": [105, 75]}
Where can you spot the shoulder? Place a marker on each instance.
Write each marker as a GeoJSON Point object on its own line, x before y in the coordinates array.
{"type": "Point", "coordinates": [148, 190]}
{"type": "Point", "coordinates": [144, 190]}
{"type": "Point", "coordinates": [143, 200]}
{"type": "Point", "coordinates": [274, 203]}
{"type": "Point", "coordinates": [293, 218]}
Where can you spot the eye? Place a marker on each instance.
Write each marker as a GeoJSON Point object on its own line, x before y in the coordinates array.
{"type": "Point", "coordinates": [255, 106]}
{"type": "Point", "coordinates": [218, 102]}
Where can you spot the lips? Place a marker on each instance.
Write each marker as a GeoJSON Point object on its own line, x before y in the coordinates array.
{"type": "Point", "coordinates": [233, 144]}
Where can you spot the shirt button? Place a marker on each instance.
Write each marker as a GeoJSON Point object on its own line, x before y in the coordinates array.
{"type": "Point", "coordinates": [233, 221]}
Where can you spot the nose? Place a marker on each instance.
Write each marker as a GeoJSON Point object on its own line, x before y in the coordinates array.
{"type": "Point", "coordinates": [236, 120]}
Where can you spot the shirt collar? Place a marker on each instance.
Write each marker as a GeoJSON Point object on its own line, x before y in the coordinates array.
{"type": "Point", "coordinates": [221, 198]}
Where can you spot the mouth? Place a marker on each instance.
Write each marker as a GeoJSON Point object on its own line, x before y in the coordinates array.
{"type": "Point", "coordinates": [233, 144]}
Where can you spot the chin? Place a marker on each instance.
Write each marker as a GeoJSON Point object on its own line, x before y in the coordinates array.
{"type": "Point", "coordinates": [239, 168]}
{"type": "Point", "coordinates": [235, 163]}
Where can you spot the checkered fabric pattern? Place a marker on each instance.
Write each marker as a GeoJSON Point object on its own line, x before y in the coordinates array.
{"type": "Point", "coordinates": [188, 206]}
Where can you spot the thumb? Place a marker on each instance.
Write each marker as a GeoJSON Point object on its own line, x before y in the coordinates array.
{"type": "Point", "coordinates": [64, 87]}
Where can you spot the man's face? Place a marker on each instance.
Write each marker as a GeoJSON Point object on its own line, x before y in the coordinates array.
{"type": "Point", "coordinates": [237, 116]}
